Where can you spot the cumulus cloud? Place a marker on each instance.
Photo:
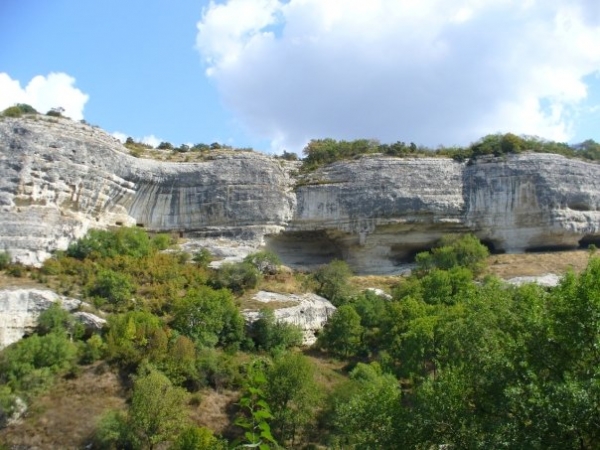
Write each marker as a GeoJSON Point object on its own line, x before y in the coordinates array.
{"type": "Point", "coordinates": [150, 139]}
{"type": "Point", "coordinates": [433, 72]}
{"type": "Point", "coordinates": [57, 90]}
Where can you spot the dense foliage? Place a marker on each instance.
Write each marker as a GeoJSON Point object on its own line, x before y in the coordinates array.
{"type": "Point", "coordinates": [451, 360]}
{"type": "Point", "coordinates": [319, 152]}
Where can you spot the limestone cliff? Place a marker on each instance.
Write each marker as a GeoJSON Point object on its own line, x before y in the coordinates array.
{"type": "Point", "coordinates": [59, 178]}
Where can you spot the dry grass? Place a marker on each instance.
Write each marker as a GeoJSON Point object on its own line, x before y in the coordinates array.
{"type": "Point", "coordinates": [8, 281]}
{"type": "Point", "coordinates": [384, 282]}
{"type": "Point", "coordinates": [534, 264]}
{"type": "Point", "coordinates": [65, 417]}
{"type": "Point", "coordinates": [216, 410]}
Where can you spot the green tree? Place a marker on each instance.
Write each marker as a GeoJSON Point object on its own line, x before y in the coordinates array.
{"type": "Point", "coordinates": [209, 317]}
{"type": "Point", "coordinates": [270, 334]}
{"type": "Point", "coordinates": [266, 262]}
{"type": "Point", "coordinates": [114, 287]}
{"type": "Point", "coordinates": [454, 251]}
{"type": "Point", "coordinates": [332, 281]}
{"type": "Point", "coordinates": [293, 395]}
{"type": "Point", "coordinates": [197, 438]}
{"type": "Point", "coordinates": [255, 413]}
{"type": "Point", "coordinates": [202, 257]}
{"type": "Point", "coordinates": [342, 333]}
{"type": "Point", "coordinates": [12, 111]}
{"type": "Point", "coordinates": [363, 413]}
{"type": "Point", "coordinates": [157, 412]}
{"type": "Point", "coordinates": [237, 276]}
{"type": "Point", "coordinates": [135, 336]}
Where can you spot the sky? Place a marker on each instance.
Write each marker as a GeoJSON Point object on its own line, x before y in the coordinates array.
{"type": "Point", "coordinates": [274, 74]}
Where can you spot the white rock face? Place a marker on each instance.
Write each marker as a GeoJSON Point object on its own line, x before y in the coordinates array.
{"type": "Point", "coordinates": [310, 312]}
{"type": "Point", "coordinates": [57, 180]}
{"type": "Point", "coordinates": [20, 309]}
{"type": "Point", "coordinates": [546, 280]}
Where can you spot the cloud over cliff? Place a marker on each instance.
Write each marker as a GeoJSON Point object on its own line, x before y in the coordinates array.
{"type": "Point", "coordinates": [57, 90]}
{"type": "Point", "coordinates": [431, 71]}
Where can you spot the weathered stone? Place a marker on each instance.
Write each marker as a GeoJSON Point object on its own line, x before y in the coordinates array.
{"type": "Point", "coordinates": [60, 178]}
{"type": "Point", "coordinates": [20, 309]}
{"type": "Point", "coordinates": [310, 312]}
{"type": "Point", "coordinates": [546, 280]}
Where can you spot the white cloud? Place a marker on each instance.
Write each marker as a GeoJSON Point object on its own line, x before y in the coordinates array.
{"type": "Point", "coordinates": [150, 140]}
{"type": "Point", "coordinates": [433, 72]}
{"type": "Point", "coordinates": [44, 93]}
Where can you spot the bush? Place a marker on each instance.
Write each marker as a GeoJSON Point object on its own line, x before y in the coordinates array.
{"type": "Point", "coordinates": [114, 287]}
{"type": "Point", "coordinates": [455, 251]}
{"type": "Point", "coordinates": [237, 276]}
{"type": "Point", "coordinates": [125, 241]}
{"type": "Point", "coordinates": [12, 111]}
{"type": "Point", "coordinates": [56, 112]}
{"type": "Point", "coordinates": [332, 281]}
{"type": "Point", "coordinates": [209, 317]}
{"type": "Point", "coordinates": [269, 334]}
{"type": "Point", "coordinates": [31, 363]}
{"type": "Point", "coordinates": [4, 260]}
{"type": "Point", "coordinates": [202, 258]}
{"type": "Point", "coordinates": [135, 336]}
{"type": "Point", "coordinates": [54, 320]}
{"type": "Point", "coordinates": [266, 262]}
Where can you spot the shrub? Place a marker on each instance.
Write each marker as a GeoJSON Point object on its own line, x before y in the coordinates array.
{"type": "Point", "coordinates": [193, 438]}
{"type": "Point", "coordinates": [31, 363]}
{"type": "Point", "coordinates": [114, 287]}
{"type": "Point", "coordinates": [237, 276]}
{"type": "Point", "coordinates": [135, 336]}
{"type": "Point", "coordinates": [269, 334]}
{"type": "Point", "coordinates": [26, 109]}
{"type": "Point", "coordinates": [266, 262]}
{"type": "Point", "coordinates": [54, 319]}
{"type": "Point", "coordinates": [332, 281]}
{"type": "Point", "coordinates": [453, 251]}
{"type": "Point", "coordinates": [202, 257]}
{"type": "Point", "coordinates": [4, 260]}
{"type": "Point", "coordinates": [126, 241]}
{"type": "Point", "coordinates": [56, 112]}
{"type": "Point", "coordinates": [12, 111]}
{"type": "Point", "coordinates": [209, 317]}
{"type": "Point", "coordinates": [156, 414]}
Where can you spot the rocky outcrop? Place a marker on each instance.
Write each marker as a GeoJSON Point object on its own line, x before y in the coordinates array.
{"type": "Point", "coordinates": [20, 309]}
{"type": "Point", "coordinates": [59, 178]}
{"type": "Point", "coordinates": [310, 312]}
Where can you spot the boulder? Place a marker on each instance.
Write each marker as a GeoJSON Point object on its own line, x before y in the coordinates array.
{"type": "Point", "coordinates": [310, 312]}
{"type": "Point", "coordinates": [20, 309]}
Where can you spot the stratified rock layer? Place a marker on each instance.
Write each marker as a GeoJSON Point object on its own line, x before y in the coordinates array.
{"type": "Point", "coordinates": [58, 179]}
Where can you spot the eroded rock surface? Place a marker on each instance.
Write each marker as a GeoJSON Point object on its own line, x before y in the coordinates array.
{"type": "Point", "coordinates": [20, 309]}
{"type": "Point", "coordinates": [60, 178]}
{"type": "Point", "coordinates": [310, 312]}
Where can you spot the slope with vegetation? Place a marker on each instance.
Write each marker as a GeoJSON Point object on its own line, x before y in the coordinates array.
{"type": "Point", "coordinates": [446, 362]}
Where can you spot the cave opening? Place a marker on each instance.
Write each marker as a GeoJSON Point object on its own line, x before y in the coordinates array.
{"type": "Point", "coordinates": [586, 241]}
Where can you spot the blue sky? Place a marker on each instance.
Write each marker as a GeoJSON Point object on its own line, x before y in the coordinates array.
{"type": "Point", "coordinates": [273, 74]}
